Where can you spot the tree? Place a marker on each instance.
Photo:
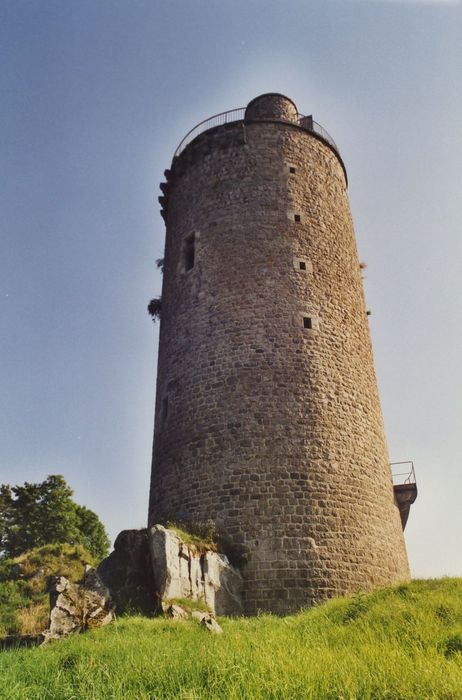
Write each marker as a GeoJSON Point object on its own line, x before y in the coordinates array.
{"type": "Point", "coordinates": [94, 537]}
{"type": "Point", "coordinates": [36, 514]}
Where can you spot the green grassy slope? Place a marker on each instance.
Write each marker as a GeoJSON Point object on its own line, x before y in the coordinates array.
{"type": "Point", "coordinates": [24, 585]}
{"type": "Point", "coordinates": [403, 643]}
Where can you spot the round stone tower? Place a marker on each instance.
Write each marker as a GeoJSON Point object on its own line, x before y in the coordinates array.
{"type": "Point", "coordinates": [268, 419]}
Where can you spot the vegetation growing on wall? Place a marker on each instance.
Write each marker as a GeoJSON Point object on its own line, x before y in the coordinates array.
{"type": "Point", "coordinates": [154, 308]}
{"type": "Point", "coordinates": [199, 536]}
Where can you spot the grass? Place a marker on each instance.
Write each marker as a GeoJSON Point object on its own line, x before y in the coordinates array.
{"type": "Point", "coordinates": [198, 536]}
{"type": "Point", "coordinates": [402, 643]}
{"type": "Point", "coordinates": [188, 604]}
{"type": "Point", "coordinates": [24, 585]}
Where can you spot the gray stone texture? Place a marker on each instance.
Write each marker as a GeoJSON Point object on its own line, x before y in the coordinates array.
{"type": "Point", "coordinates": [181, 571]}
{"type": "Point", "coordinates": [272, 106]}
{"type": "Point", "coordinates": [76, 607]}
{"type": "Point", "coordinates": [127, 572]}
{"type": "Point", "coordinates": [272, 430]}
{"type": "Point", "coordinates": [209, 623]}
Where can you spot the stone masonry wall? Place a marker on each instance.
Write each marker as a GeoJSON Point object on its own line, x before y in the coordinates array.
{"type": "Point", "coordinates": [268, 426]}
{"type": "Point", "coordinates": [272, 106]}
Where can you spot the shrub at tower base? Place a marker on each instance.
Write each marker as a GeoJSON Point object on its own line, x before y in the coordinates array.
{"type": "Point", "coordinates": [401, 643]}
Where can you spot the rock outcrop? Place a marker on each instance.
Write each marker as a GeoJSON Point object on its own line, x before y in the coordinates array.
{"type": "Point", "coordinates": [207, 621]}
{"type": "Point", "coordinates": [176, 612]}
{"type": "Point", "coordinates": [76, 607]}
{"type": "Point", "coordinates": [183, 571]}
{"type": "Point", "coordinates": [127, 572]}
{"type": "Point", "coordinates": [151, 569]}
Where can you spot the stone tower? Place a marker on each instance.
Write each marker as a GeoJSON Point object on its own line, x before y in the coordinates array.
{"type": "Point", "coordinates": [268, 419]}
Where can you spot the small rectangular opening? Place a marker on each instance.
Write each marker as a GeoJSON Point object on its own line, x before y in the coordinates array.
{"type": "Point", "coordinates": [297, 218]}
{"type": "Point", "coordinates": [302, 265]}
{"type": "Point", "coordinates": [307, 322]}
{"type": "Point", "coordinates": [292, 170]}
{"type": "Point", "coordinates": [189, 252]}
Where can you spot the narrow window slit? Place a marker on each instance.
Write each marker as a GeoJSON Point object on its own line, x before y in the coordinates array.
{"type": "Point", "coordinates": [302, 265]}
{"type": "Point", "coordinates": [189, 252]}
{"type": "Point", "coordinates": [307, 322]}
{"type": "Point", "coordinates": [297, 218]}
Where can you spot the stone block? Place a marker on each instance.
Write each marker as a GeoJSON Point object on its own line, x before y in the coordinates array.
{"type": "Point", "coordinates": [181, 571]}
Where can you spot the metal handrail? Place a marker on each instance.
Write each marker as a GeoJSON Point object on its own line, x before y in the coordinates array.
{"type": "Point", "coordinates": [235, 115]}
{"type": "Point", "coordinates": [232, 115]}
{"type": "Point", "coordinates": [410, 475]}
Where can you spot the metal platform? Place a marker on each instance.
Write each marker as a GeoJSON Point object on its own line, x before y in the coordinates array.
{"type": "Point", "coordinates": [405, 489]}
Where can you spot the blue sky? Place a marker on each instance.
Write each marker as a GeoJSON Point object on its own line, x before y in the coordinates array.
{"type": "Point", "coordinates": [96, 96]}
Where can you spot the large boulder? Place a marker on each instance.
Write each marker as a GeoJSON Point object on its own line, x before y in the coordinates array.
{"type": "Point", "coordinates": [127, 572]}
{"type": "Point", "coordinates": [76, 607]}
{"type": "Point", "coordinates": [183, 571]}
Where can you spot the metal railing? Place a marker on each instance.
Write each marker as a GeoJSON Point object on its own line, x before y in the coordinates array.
{"type": "Point", "coordinates": [309, 124]}
{"type": "Point", "coordinates": [232, 115]}
{"type": "Point", "coordinates": [409, 474]}
{"type": "Point", "coordinates": [236, 115]}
